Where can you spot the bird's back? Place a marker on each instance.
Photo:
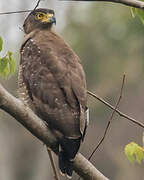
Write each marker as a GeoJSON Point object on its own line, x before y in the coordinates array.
{"type": "Point", "coordinates": [52, 82]}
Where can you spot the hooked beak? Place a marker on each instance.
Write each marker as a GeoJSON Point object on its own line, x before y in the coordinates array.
{"type": "Point", "coordinates": [49, 18]}
{"type": "Point", "coordinates": [53, 20]}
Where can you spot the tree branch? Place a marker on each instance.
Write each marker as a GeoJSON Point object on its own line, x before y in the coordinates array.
{"type": "Point", "coordinates": [22, 11]}
{"type": "Point", "coordinates": [111, 117]}
{"type": "Point", "coordinates": [131, 3]}
{"type": "Point", "coordinates": [116, 110]}
{"type": "Point", "coordinates": [15, 12]}
{"type": "Point", "coordinates": [86, 170]}
{"type": "Point", "coordinates": [37, 4]}
{"type": "Point", "coordinates": [37, 127]}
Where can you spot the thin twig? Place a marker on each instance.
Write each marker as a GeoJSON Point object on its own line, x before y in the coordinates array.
{"type": "Point", "coordinates": [22, 11]}
{"type": "Point", "coordinates": [111, 117]}
{"type": "Point", "coordinates": [116, 110]}
{"type": "Point", "coordinates": [14, 12]}
{"type": "Point", "coordinates": [56, 176]}
{"type": "Point", "coordinates": [131, 3]}
{"type": "Point", "coordinates": [108, 124]}
{"type": "Point", "coordinates": [37, 4]}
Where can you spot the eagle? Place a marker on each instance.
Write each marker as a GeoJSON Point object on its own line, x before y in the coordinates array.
{"type": "Point", "coordinates": [52, 83]}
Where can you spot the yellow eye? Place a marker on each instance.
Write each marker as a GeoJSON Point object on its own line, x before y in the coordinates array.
{"type": "Point", "coordinates": [39, 15]}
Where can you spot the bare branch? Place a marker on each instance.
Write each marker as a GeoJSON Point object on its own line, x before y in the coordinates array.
{"type": "Point", "coordinates": [131, 3]}
{"type": "Point", "coordinates": [116, 110]}
{"type": "Point", "coordinates": [37, 4]}
{"type": "Point", "coordinates": [85, 167]}
{"type": "Point", "coordinates": [22, 11]}
{"type": "Point", "coordinates": [111, 117]}
{"type": "Point", "coordinates": [14, 12]}
{"type": "Point", "coordinates": [37, 127]}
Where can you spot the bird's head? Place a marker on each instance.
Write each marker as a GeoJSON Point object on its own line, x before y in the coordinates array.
{"type": "Point", "coordinates": [39, 18]}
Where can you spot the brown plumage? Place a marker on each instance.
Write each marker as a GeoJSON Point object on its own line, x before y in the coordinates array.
{"type": "Point", "coordinates": [52, 83]}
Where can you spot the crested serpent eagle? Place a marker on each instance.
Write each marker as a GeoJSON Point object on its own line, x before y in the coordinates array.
{"type": "Point", "coordinates": [52, 83]}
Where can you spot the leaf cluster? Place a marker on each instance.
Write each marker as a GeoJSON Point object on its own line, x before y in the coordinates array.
{"type": "Point", "coordinates": [134, 152]}
{"type": "Point", "coordinates": [7, 63]}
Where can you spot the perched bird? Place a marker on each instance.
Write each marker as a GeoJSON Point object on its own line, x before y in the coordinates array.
{"type": "Point", "coordinates": [52, 83]}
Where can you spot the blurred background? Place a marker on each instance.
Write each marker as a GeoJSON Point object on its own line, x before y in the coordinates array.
{"type": "Point", "coordinates": [110, 43]}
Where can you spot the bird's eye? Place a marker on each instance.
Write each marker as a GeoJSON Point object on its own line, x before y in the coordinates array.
{"type": "Point", "coordinates": [39, 15]}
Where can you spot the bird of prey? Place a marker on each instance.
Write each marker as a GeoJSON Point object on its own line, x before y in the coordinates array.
{"type": "Point", "coordinates": [52, 83]}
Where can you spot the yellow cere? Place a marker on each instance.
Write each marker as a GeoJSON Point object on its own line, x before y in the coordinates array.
{"type": "Point", "coordinates": [43, 16]}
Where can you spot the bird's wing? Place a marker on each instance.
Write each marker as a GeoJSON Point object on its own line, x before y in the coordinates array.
{"type": "Point", "coordinates": [56, 87]}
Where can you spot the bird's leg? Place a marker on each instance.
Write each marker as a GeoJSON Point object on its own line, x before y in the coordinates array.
{"type": "Point", "coordinates": [50, 153]}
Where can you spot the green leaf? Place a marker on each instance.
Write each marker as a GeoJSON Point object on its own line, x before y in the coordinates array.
{"type": "Point", "coordinates": [140, 13]}
{"type": "Point", "coordinates": [4, 68]}
{"type": "Point", "coordinates": [133, 12]}
{"type": "Point", "coordinates": [139, 153]}
{"type": "Point", "coordinates": [7, 63]}
{"type": "Point", "coordinates": [12, 63]}
{"type": "Point", "coordinates": [3, 64]}
{"type": "Point", "coordinates": [129, 151]}
{"type": "Point", "coordinates": [134, 152]}
{"type": "Point", "coordinates": [137, 12]}
{"type": "Point", "coordinates": [1, 44]}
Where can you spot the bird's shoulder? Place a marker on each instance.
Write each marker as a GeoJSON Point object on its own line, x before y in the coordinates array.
{"type": "Point", "coordinates": [54, 44]}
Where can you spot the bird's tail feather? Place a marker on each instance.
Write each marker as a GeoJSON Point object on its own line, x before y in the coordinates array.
{"type": "Point", "coordinates": [65, 165]}
{"type": "Point", "coordinates": [69, 148]}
